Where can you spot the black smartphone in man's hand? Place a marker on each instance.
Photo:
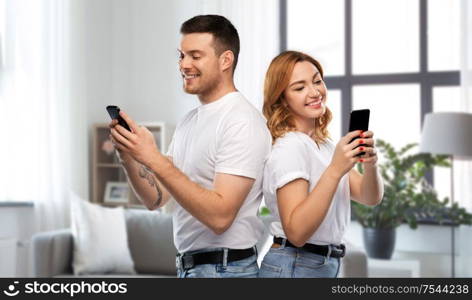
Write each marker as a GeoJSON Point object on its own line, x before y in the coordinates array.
{"type": "Point", "coordinates": [359, 120]}
{"type": "Point", "coordinates": [114, 112]}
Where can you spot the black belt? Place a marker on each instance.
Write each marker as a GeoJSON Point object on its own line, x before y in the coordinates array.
{"type": "Point", "coordinates": [336, 251]}
{"type": "Point", "coordinates": [188, 261]}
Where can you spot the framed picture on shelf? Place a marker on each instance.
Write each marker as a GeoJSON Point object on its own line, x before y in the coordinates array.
{"type": "Point", "coordinates": [116, 192]}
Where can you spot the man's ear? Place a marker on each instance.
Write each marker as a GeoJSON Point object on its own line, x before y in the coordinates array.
{"type": "Point", "coordinates": [226, 60]}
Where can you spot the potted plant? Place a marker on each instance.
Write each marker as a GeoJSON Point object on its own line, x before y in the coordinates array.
{"type": "Point", "coordinates": [408, 197]}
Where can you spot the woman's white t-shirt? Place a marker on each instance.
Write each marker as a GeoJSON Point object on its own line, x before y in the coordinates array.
{"type": "Point", "coordinates": [296, 155]}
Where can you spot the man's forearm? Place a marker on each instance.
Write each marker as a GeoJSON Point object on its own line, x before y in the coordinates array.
{"type": "Point", "coordinates": [145, 185]}
{"type": "Point", "coordinates": [205, 205]}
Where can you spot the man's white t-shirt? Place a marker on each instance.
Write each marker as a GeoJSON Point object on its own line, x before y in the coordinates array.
{"type": "Point", "coordinates": [296, 155]}
{"type": "Point", "coordinates": [225, 136]}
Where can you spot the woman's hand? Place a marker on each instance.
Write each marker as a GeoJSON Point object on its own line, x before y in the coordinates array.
{"type": "Point", "coordinates": [344, 157]}
{"type": "Point", "coordinates": [370, 157]}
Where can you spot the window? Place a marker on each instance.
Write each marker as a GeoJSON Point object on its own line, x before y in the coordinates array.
{"type": "Point", "coordinates": [317, 28]}
{"type": "Point", "coordinates": [334, 104]}
{"type": "Point", "coordinates": [401, 102]}
{"type": "Point", "coordinates": [400, 58]}
{"type": "Point", "coordinates": [443, 35]}
{"type": "Point", "coordinates": [388, 28]}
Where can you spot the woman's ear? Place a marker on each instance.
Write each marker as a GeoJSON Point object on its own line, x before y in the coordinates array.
{"type": "Point", "coordinates": [226, 60]}
{"type": "Point", "coordinates": [284, 102]}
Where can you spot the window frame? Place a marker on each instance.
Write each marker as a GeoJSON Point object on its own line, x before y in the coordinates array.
{"type": "Point", "coordinates": [427, 80]}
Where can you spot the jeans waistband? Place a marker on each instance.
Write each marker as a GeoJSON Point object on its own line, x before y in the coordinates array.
{"type": "Point", "coordinates": [221, 256]}
{"type": "Point", "coordinates": [336, 251]}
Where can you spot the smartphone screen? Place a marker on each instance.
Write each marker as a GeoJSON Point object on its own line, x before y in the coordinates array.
{"type": "Point", "coordinates": [359, 121]}
{"type": "Point", "coordinates": [114, 112]}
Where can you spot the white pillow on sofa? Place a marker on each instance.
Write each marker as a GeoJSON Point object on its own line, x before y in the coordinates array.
{"type": "Point", "coordinates": [100, 239]}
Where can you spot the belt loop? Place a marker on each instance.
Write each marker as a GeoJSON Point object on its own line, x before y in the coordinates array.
{"type": "Point", "coordinates": [225, 257]}
{"type": "Point", "coordinates": [329, 253]}
{"type": "Point", "coordinates": [178, 262]}
{"type": "Point", "coordinates": [284, 240]}
{"type": "Point", "coordinates": [255, 250]}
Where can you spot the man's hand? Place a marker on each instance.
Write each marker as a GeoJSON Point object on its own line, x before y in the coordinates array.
{"type": "Point", "coordinates": [138, 144]}
{"type": "Point", "coordinates": [122, 157]}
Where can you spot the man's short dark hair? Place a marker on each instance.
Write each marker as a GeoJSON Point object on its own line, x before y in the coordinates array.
{"type": "Point", "coordinates": [224, 33]}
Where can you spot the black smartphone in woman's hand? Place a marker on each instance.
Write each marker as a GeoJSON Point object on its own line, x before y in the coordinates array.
{"type": "Point", "coordinates": [114, 112]}
{"type": "Point", "coordinates": [359, 121]}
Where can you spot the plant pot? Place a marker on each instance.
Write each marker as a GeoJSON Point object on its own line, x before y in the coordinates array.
{"type": "Point", "coordinates": [379, 243]}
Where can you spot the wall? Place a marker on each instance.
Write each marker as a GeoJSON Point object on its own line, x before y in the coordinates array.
{"type": "Point", "coordinates": [125, 53]}
{"type": "Point", "coordinates": [132, 61]}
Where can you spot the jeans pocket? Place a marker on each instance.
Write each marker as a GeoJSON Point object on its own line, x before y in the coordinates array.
{"type": "Point", "coordinates": [313, 261]}
{"type": "Point", "coordinates": [269, 271]}
{"type": "Point", "coordinates": [316, 267]}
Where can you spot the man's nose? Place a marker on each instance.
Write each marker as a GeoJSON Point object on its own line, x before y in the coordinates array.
{"type": "Point", "coordinates": [185, 63]}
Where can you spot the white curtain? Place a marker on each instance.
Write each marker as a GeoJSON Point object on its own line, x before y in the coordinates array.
{"type": "Point", "coordinates": [257, 23]}
{"type": "Point", "coordinates": [34, 108]}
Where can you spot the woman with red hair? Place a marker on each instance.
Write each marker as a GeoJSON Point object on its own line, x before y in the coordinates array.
{"type": "Point", "coordinates": [308, 181]}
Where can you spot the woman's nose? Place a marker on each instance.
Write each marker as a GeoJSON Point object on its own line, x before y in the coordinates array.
{"type": "Point", "coordinates": [314, 92]}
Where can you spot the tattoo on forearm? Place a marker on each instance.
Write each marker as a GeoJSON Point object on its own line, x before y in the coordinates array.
{"type": "Point", "coordinates": [146, 174]}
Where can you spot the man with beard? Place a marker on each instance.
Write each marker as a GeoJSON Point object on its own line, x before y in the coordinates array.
{"type": "Point", "coordinates": [215, 162]}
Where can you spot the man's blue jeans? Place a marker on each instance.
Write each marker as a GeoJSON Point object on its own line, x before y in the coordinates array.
{"type": "Point", "coordinates": [243, 268]}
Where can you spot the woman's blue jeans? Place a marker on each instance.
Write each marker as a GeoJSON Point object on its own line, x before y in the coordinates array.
{"type": "Point", "coordinates": [290, 262]}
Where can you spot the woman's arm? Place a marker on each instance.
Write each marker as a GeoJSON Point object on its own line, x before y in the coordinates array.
{"type": "Point", "coordinates": [302, 211]}
{"type": "Point", "coordinates": [367, 189]}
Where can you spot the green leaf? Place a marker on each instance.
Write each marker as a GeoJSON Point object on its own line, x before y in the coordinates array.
{"type": "Point", "coordinates": [264, 211]}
